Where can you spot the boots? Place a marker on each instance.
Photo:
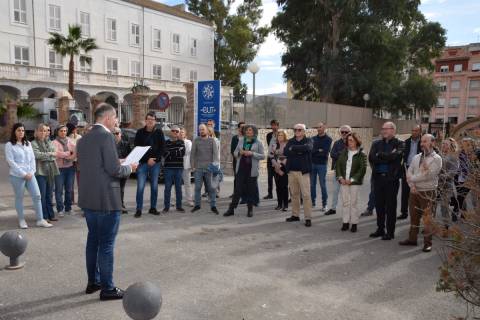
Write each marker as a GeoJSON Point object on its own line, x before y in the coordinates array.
{"type": "Point", "coordinates": [230, 211]}
{"type": "Point", "coordinates": [250, 210]}
{"type": "Point", "coordinates": [345, 227]}
{"type": "Point", "coordinates": [354, 228]}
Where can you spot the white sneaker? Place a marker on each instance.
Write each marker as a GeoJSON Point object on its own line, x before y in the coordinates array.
{"type": "Point", "coordinates": [324, 209]}
{"type": "Point", "coordinates": [44, 224]}
{"type": "Point", "coordinates": [61, 214]}
{"type": "Point", "coordinates": [23, 224]}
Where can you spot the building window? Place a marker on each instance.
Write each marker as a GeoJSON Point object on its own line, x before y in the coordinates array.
{"type": "Point", "coordinates": [458, 68]}
{"type": "Point", "coordinates": [474, 84]}
{"type": "Point", "coordinates": [193, 47]}
{"type": "Point", "coordinates": [54, 17]}
{"type": "Point", "coordinates": [157, 71]}
{"type": "Point", "coordinates": [85, 66]}
{"type": "Point", "coordinates": [425, 119]}
{"type": "Point", "coordinates": [454, 102]}
{"type": "Point", "coordinates": [134, 34]}
{"type": "Point", "coordinates": [476, 67]}
{"type": "Point", "coordinates": [112, 66]}
{"type": "Point", "coordinates": [453, 120]}
{"type": "Point", "coordinates": [472, 102]}
{"type": "Point", "coordinates": [442, 86]}
{"type": "Point", "coordinates": [193, 76]}
{"type": "Point", "coordinates": [175, 74]}
{"type": "Point", "coordinates": [156, 39]}
{"type": "Point", "coordinates": [455, 85]}
{"type": "Point", "coordinates": [20, 11]}
{"type": "Point", "coordinates": [135, 69]}
{"type": "Point", "coordinates": [22, 55]}
{"type": "Point", "coordinates": [441, 102]}
{"type": "Point", "coordinates": [444, 69]}
{"type": "Point", "coordinates": [111, 29]}
{"type": "Point", "coordinates": [176, 43]}
{"type": "Point", "coordinates": [54, 60]}
{"type": "Point", "coordinates": [85, 23]}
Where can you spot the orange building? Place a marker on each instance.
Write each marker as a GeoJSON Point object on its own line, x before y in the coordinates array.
{"type": "Point", "coordinates": [457, 73]}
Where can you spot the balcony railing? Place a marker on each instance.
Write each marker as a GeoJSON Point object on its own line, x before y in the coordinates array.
{"type": "Point", "coordinates": [47, 75]}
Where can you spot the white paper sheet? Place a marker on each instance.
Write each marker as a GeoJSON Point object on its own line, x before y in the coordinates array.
{"type": "Point", "coordinates": [135, 156]}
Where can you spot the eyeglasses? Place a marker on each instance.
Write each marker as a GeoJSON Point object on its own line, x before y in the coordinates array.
{"type": "Point", "coordinates": [116, 133]}
{"type": "Point", "coordinates": [344, 132]}
{"type": "Point", "coordinates": [297, 130]}
{"type": "Point", "coordinates": [387, 128]}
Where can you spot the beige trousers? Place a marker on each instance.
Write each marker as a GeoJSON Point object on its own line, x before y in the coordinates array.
{"type": "Point", "coordinates": [350, 210]}
{"type": "Point", "coordinates": [300, 187]}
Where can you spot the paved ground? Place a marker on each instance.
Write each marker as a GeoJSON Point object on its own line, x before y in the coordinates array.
{"type": "Point", "coordinates": [211, 267]}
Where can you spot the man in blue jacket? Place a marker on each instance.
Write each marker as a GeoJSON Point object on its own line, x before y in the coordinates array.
{"type": "Point", "coordinates": [321, 149]}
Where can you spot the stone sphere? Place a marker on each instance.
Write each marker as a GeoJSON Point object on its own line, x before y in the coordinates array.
{"type": "Point", "coordinates": [13, 244]}
{"type": "Point", "coordinates": [142, 301]}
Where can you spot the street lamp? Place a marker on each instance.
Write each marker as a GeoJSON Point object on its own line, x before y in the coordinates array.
{"type": "Point", "coordinates": [253, 68]}
{"type": "Point", "coordinates": [231, 108]}
{"type": "Point", "coordinates": [366, 98]}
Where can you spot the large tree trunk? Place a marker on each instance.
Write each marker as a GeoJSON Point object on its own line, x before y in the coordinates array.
{"type": "Point", "coordinates": [71, 71]}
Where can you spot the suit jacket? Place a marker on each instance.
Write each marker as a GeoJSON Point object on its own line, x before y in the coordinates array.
{"type": "Point", "coordinates": [100, 171]}
{"type": "Point", "coordinates": [408, 144]}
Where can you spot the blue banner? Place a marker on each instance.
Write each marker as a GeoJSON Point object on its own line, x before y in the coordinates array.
{"type": "Point", "coordinates": [208, 103]}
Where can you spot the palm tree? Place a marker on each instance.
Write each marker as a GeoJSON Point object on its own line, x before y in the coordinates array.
{"type": "Point", "coordinates": [72, 45]}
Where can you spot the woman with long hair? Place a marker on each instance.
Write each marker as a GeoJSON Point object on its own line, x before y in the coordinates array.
{"type": "Point", "coordinates": [47, 169]}
{"type": "Point", "coordinates": [249, 152]}
{"type": "Point", "coordinates": [465, 164]}
{"type": "Point", "coordinates": [350, 169]}
{"type": "Point", "coordinates": [21, 160]}
{"type": "Point", "coordinates": [279, 160]}
{"type": "Point", "coordinates": [65, 155]}
{"type": "Point", "coordinates": [446, 186]}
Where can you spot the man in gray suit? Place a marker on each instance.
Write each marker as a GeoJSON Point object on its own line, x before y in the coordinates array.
{"type": "Point", "coordinates": [99, 198]}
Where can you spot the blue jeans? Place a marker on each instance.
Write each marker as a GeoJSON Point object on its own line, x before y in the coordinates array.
{"type": "Point", "coordinates": [153, 172]}
{"type": "Point", "coordinates": [46, 190]}
{"type": "Point", "coordinates": [64, 181]}
{"type": "Point", "coordinates": [173, 175]}
{"type": "Point", "coordinates": [336, 191]}
{"type": "Point", "coordinates": [102, 230]}
{"type": "Point", "coordinates": [319, 170]}
{"type": "Point", "coordinates": [19, 185]}
{"type": "Point", "coordinates": [200, 175]}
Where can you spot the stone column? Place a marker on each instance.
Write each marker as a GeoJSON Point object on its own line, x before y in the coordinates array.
{"type": "Point", "coordinates": [140, 105]}
{"type": "Point", "coordinates": [188, 115]}
{"type": "Point", "coordinates": [10, 119]}
{"type": "Point", "coordinates": [63, 107]}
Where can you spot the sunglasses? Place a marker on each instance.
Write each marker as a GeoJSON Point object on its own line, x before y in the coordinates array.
{"type": "Point", "coordinates": [297, 130]}
{"type": "Point", "coordinates": [176, 131]}
{"type": "Point", "coordinates": [116, 133]}
{"type": "Point", "coordinates": [344, 132]}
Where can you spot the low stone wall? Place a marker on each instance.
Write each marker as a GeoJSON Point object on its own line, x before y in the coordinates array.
{"type": "Point", "coordinates": [226, 137]}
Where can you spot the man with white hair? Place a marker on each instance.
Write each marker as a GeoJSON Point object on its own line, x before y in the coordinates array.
{"type": "Point", "coordinates": [386, 159]}
{"type": "Point", "coordinates": [299, 165]}
{"type": "Point", "coordinates": [337, 149]}
{"type": "Point", "coordinates": [422, 178]}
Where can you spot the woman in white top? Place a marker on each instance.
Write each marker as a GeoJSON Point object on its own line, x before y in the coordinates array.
{"type": "Point", "coordinates": [21, 160]}
{"type": "Point", "coordinates": [187, 170]}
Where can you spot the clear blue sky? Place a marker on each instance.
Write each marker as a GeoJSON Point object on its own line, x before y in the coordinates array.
{"type": "Point", "coordinates": [459, 17]}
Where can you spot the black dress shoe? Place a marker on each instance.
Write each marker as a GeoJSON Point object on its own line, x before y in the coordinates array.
{"type": "Point", "coordinates": [124, 211]}
{"type": "Point", "coordinates": [387, 237]}
{"type": "Point", "coordinates": [284, 209]}
{"type": "Point", "coordinates": [292, 219]}
{"type": "Point", "coordinates": [114, 294]}
{"type": "Point", "coordinates": [330, 212]}
{"type": "Point", "coordinates": [196, 208]}
{"type": "Point", "coordinates": [354, 228]}
{"type": "Point", "coordinates": [367, 213]}
{"type": "Point", "coordinates": [165, 210]}
{"type": "Point", "coordinates": [345, 227]}
{"type": "Point", "coordinates": [92, 287]}
{"type": "Point", "coordinates": [138, 213]}
{"type": "Point", "coordinates": [308, 223]}
{"type": "Point", "coordinates": [427, 248]}
{"type": "Point", "coordinates": [407, 243]}
{"type": "Point", "coordinates": [377, 234]}
{"type": "Point", "coordinates": [268, 196]}
{"type": "Point", "coordinates": [278, 207]}
{"type": "Point", "coordinates": [403, 216]}
{"type": "Point", "coordinates": [154, 211]}
{"type": "Point", "coordinates": [214, 210]}
{"type": "Point", "coordinates": [180, 209]}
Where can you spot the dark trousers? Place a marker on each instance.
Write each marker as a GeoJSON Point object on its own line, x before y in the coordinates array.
{"type": "Point", "coordinates": [123, 182]}
{"type": "Point", "coordinates": [46, 191]}
{"type": "Point", "coordinates": [405, 193]}
{"type": "Point", "coordinates": [371, 196]}
{"type": "Point", "coordinates": [270, 173]}
{"type": "Point", "coordinates": [281, 184]}
{"type": "Point", "coordinates": [245, 188]}
{"type": "Point", "coordinates": [102, 231]}
{"type": "Point", "coordinates": [386, 191]}
{"type": "Point", "coordinates": [459, 202]}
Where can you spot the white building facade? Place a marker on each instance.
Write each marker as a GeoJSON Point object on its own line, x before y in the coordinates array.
{"type": "Point", "coordinates": [137, 39]}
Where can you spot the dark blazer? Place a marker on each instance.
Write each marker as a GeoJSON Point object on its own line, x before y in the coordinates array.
{"type": "Point", "coordinates": [100, 171]}
{"type": "Point", "coordinates": [388, 153]}
{"type": "Point", "coordinates": [269, 138]}
{"type": "Point", "coordinates": [408, 143]}
{"type": "Point", "coordinates": [299, 155]}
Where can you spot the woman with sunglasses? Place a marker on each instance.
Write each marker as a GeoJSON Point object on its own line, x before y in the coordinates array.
{"type": "Point", "coordinates": [47, 169]}
{"type": "Point", "coordinates": [350, 169]}
{"type": "Point", "coordinates": [21, 160]}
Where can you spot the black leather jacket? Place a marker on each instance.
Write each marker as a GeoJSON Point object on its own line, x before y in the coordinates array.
{"type": "Point", "coordinates": [389, 153]}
